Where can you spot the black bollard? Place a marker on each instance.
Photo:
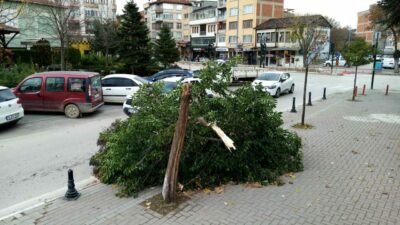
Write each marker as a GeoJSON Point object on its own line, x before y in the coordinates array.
{"type": "Point", "coordinates": [309, 99]}
{"type": "Point", "coordinates": [72, 193]}
{"type": "Point", "coordinates": [294, 105]}
{"type": "Point", "coordinates": [324, 96]}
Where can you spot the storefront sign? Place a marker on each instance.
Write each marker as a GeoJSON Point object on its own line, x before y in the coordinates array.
{"type": "Point", "coordinates": [221, 49]}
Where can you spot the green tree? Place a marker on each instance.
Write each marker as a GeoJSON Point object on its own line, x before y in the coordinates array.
{"type": "Point", "coordinates": [166, 51]}
{"type": "Point", "coordinates": [387, 14]}
{"type": "Point", "coordinates": [72, 56]}
{"type": "Point", "coordinates": [42, 52]}
{"type": "Point", "coordinates": [105, 37]}
{"type": "Point", "coordinates": [134, 41]}
{"type": "Point", "coordinates": [356, 54]}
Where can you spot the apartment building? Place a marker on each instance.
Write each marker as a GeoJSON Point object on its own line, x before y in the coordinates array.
{"type": "Point", "coordinates": [242, 17]}
{"type": "Point", "coordinates": [173, 13]}
{"type": "Point", "coordinates": [34, 22]}
{"type": "Point", "coordinates": [282, 50]}
{"type": "Point", "coordinates": [203, 29]}
{"type": "Point", "coordinates": [365, 29]}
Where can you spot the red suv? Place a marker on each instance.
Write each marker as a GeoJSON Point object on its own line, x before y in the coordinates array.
{"type": "Point", "coordinates": [73, 93]}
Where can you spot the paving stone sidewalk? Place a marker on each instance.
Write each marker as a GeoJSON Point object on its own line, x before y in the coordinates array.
{"type": "Point", "coordinates": [351, 176]}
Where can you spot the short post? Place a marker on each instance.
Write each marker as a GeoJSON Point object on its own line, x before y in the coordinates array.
{"type": "Point", "coordinates": [309, 99]}
{"type": "Point", "coordinates": [387, 90]}
{"type": "Point", "coordinates": [356, 91]}
{"type": "Point", "coordinates": [72, 193]}
{"type": "Point", "coordinates": [364, 87]}
{"type": "Point", "coordinates": [324, 96]}
{"type": "Point", "coordinates": [294, 105]}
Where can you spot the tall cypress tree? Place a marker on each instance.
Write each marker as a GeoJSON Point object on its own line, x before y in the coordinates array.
{"type": "Point", "coordinates": [166, 51]}
{"type": "Point", "coordinates": [134, 38]}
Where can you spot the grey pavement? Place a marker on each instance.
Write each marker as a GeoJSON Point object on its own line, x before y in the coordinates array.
{"type": "Point", "coordinates": [351, 176]}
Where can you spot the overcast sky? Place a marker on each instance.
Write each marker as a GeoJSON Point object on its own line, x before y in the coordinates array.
{"type": "Point", "coordinates": [344, 11]}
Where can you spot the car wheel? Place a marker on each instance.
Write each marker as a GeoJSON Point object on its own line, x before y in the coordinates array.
{"type": "Point", "coordinates": [328, 65]}
{"type": "Point", "coordinates": [72, 111]}
{"type": "Point", "coordinates": [278, 93]}
{"type": "Point", "coordinates": [291, 89]}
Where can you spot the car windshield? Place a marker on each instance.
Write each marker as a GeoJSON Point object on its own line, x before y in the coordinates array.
{"type": "Point", "coordinates": [169, 86]}
{"type": "Point", "coordinates": [6, 95]}
{"type": "Point", "coordinates": [269, 76]}
{"type": "Point", "coordinates": [142, 80]}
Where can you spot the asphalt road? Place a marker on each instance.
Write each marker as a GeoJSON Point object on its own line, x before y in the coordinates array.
{"type": "Point", "coordinates": [36, 153]}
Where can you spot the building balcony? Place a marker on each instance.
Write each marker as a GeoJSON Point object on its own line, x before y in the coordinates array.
{"type": "Point", "coordinates": [159, 10]}
{"type": "Point", "coordinates": [203, 33]}
{"type": "Point", "coordinates": [221, 18]}
{"type": "Point", "coordinates": [222, 4]}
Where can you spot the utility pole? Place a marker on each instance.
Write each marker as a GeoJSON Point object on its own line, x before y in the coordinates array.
{"type": "Point", "coordinates": [376, 36]}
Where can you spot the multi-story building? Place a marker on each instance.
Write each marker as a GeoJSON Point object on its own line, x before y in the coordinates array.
{"type": "Point", "coordinates": [242, 16]}
{"type": "Point", "coordinates": [167, 12]}
{"type": "Point", "coordinates": [35, 23]}
{"type": "Point", "coordinates": [365, 28]}
{"type": "Point", "coordinates": [282, 50]}
{"type": "Point", "coordinates": [203, 28]}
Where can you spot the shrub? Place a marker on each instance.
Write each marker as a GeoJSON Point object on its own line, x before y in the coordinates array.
{"type": "Point", "coordinates": [11, 76]}
{"type": "Point", "coordinates": [42, 53]}
{"type": "Point", "coordinates": [134, 153]}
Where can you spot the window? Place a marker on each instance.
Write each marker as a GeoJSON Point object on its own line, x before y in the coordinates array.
{"type": "Point", "coordinates": [195, 30]}
{"type": "Point", "coordinates": [247, 38]}
{"type": "Point", "coordinates": [76, 85]}
{"type": "Point", "coordinates": [233, 12]}
{"type": "Point", "coordinates": [268, 37]}
{"type": "Point", "coordinates": [211, 28]}
{"type": "Point", "coordinates": [170, 25]}
{"type": "Point", "coordinates": [178, 7]}
{"type": "Point", "coordinates": [247, 23]}
{"type": "Point", "coordinates": [6, 95]}
{"type": "Point", "coordinates": [273, 37]}
{"type": "Point", "coordinates": [31, 85]}
{"type": "Point", "coordinates": [232, 39]}
{"type": "Point", "coordinates": [282, 37]}
{"type": "Point", "coordinates": [233, 25]}
{"type": "Point", "coordinates": [178, 16]}
{"type": "Point", "coordinates": [96, 82]}
{"type": "Point", "coordinates": [248, 9]}
{"type": "Point", "coordinates": [178, 35]}
{"type": "Point", "coordinates": [178, 26]}
{"type": "Point", "coordinates": [55, 84]}
{"type": "Point", "coordinates": [168, 16]}
{"type": "Point", "coordinates": [186, 15]}
{"type": "Point", "coordinates": [221, 38]}
{"type": "Point", "coordinates": [221, 26]}
{"type": "Point", "coordinates": [287, 37]}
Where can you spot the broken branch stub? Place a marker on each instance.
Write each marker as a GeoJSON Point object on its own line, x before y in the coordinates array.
{"type": "Point", "coordinates": [229, 144]}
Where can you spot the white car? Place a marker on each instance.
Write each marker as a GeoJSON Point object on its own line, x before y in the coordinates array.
{"type": "Point", "coordinates": [388, 62]}
{"type": "Point", "coordinates": [275, 83]}
{"type": "Point", "coordinates": [336, 62]}
{"type": "Point", "coordinates": [10, 109]}
{"type": "Point", "coordinates": [117, 86]}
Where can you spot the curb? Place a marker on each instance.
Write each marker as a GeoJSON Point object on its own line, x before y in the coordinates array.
{"type": "Point", "coordinates": [42, 199]}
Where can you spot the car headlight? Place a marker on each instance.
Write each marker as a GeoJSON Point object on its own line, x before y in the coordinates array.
{"type": "Point", "coordinates": [272, 87]}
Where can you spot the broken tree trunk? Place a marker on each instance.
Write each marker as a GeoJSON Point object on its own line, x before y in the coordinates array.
{"type": "Point", "coordinates": [171, 175]}
{"type": "Point", "coordinates": [221, 134]}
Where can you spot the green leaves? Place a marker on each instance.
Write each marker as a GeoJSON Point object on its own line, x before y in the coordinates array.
{"type": "Point", "coordinates": [134, 153]}
{"type": "Point", "coordinates": [357, 52]}
{"type": "Point", "coordinates": [166, 51]}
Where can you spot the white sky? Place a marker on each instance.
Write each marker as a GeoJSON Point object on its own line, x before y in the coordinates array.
{"type": "Point", "coordinates": [344, 11]}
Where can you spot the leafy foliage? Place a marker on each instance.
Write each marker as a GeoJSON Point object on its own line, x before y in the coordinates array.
{"type": "Point", "coordinates": [134, 39]}
{"type": "Point", "coordinates": [357, 52]}
{"type": "Point", "coordinates": [134, 153]}
{"type": "Point", "coordinates": [97, 63]}
{"type": "Point", "coordinates": [11, 76]}
{"type": "Point", "coordinates": [105, 36]}
{"type": "Point", "coordinates": [72, 56]}
{"type": "Point", "coordinates": [42, 52]}
{"type": "Point", "coordinates": [166, 51]}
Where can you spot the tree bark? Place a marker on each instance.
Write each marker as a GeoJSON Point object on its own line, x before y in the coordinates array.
{"type": "Point", "coordinates": [355, 84]}
{"type": "Point", "coordinates": [396, 59]}
{"type": "Point", "coordinates": [171, 175]}
{"type": "Point", "coordinates": [62, 53]}
{"type": "Point", "coordinates": [303, 114]}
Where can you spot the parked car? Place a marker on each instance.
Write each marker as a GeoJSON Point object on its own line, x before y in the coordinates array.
{"type": "Point", "coordinates": [336, 62]}
{"type": "Point", "coordinates": [117, 86]}
{"type": "Point", "coordinates": [388, 62]}
{"type": "Point", "coordinates": [127, 107]}
{"type": "Point", "coordinates": [11, 110]}
{"type": "Point", "coordinates": [275, 83]}
{"type": "Point", "coordinates": [73, 93]}
{"type": "Point", "coordinates": [169, 73]}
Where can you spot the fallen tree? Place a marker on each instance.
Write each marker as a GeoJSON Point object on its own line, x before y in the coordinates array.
{"type": "Point", "coordinates": [134, 153]}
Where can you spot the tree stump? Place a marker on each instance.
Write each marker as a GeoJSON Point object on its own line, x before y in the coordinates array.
{"type": "Point", "coordinates": [171, 175]}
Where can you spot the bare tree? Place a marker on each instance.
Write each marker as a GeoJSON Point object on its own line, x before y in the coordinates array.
{"type": "Point", "coordinates": [105, 37]}
{"type": "Point", "coordinates": [309, 32]}
{"type": "Point", "coordinates": [58, 14]}
{"type": "Point", "coordinates": [10, 10]}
